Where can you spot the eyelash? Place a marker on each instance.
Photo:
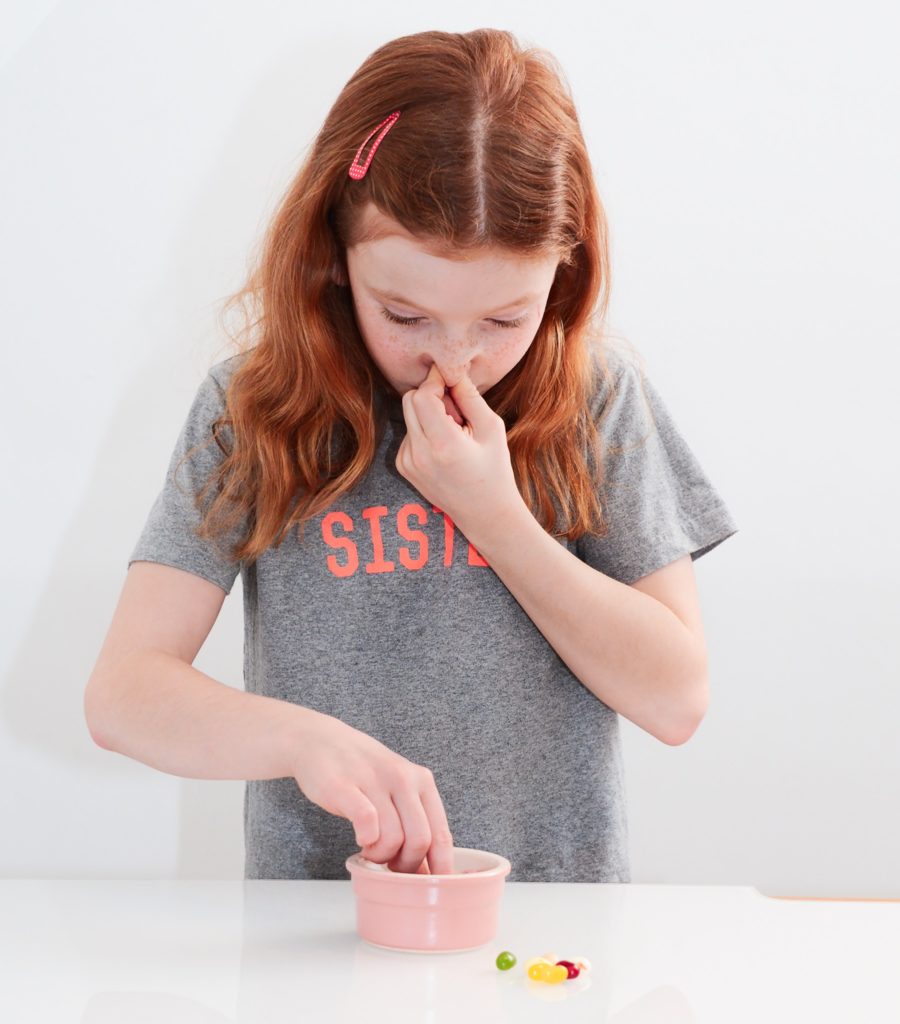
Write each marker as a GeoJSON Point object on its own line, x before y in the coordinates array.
{"type": "Point", "coordinates": [408, 321]}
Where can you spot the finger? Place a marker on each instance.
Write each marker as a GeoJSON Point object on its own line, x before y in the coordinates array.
{"type": "Point", "coordinates": [470, 403]}
{"type": "Point", "coordinates": [453, 409]}
{"type": "Point", "coordinates": [390, 836]}
{"type": "Point", "coordinates": [434, 383]}
{"type": "Point", "coordinates": [433, 405]}
{"type": "Point", "coordinates": [354, 805]}
{"type": "Point", "coordinates": [416, 831]}
{"type": "Point", "coordinates": [440, 853]}
{"type": "Point", "coordinates": [435, 415]}
{"type": "Point", "coordinates": [413, 426]}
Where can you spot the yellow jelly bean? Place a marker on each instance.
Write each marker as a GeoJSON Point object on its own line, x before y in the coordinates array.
{"type": "Point", "coordinates": [538, 971]}
{"type": "Point", "coordinates": [557, 973]}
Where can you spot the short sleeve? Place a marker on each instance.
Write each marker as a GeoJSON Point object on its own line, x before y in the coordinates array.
{"type": "Point", "coordinates": [658, 502]}
{"type": "Point", "coordinates": [168, 535]}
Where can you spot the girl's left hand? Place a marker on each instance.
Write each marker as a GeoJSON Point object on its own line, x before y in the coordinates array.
{"type": "Point", "coordinates": [463, 468]}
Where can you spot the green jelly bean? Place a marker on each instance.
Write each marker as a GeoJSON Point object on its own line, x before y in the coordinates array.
{"type": "Point", "coordinates": [505, 960]}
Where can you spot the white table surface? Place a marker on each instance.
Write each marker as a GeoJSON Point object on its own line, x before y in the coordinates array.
{"type": "Point", "coordinates": [215, 952]}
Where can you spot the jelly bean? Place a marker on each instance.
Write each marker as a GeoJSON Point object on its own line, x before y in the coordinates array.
{"type": "Point", "coordinates": [505, 960]}
{"type": "Point", "coordinates": [538, 971]}
{"type": "Point", "coordinates": [550, 957]}
{"type": "Point", "coordinates": [570, 967]}
{"type": "Point", "coordinates": [582, 963]}
{"type": "Point", "coordinates": [556, 974]}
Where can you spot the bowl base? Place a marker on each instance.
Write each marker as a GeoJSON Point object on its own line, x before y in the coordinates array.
{"type": "Point", "coordinates": [400, 949]}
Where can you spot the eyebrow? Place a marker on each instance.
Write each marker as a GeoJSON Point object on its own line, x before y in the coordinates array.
{"type": "Point", "coordinates": [393, 297]}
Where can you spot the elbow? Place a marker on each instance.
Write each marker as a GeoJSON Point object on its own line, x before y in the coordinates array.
{"type": "Point", "coordinates": [677, 737]}
{"type": "Point", "coordinates": [93, 717]}
{"type": "Point", "coordinates": [689, 711]}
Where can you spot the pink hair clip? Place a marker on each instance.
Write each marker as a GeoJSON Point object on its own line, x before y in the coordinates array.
{"type": "Point", "coordinates": [358, 170]}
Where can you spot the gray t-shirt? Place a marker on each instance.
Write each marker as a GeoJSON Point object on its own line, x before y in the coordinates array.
{"type": "Point", "coordinates": [386, 618]}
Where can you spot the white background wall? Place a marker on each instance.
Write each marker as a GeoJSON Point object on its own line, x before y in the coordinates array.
{"type": "Point", "coordinates": [748, 159]}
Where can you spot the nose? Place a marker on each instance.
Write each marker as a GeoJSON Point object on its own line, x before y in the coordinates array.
{"type": "Point", "coordinates": [454, 361]}
{"type": "Point", "coordinates": [454, 376]}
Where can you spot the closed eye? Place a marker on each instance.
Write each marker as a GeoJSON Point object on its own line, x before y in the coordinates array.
{"type": "Point", "coordinates": [408, 321]}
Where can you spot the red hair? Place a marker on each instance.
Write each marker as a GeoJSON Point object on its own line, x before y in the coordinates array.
{"type": "Point", "coordinates": [488, 153]}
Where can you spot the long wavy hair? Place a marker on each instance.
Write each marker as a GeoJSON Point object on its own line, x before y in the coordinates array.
{"type": "Point", "coordinates": [488, 153]}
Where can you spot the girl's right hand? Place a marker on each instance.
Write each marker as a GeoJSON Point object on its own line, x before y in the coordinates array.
{"type": "Point", "coordinates": [397, 815]}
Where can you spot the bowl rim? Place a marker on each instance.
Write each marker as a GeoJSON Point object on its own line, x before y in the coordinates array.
{"type": "Point", "coordinates": [502, 867]}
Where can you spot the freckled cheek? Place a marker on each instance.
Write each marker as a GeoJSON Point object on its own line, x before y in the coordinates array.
{"type": "Point", "coordinates": [505, 353]}
{"type": "Point", "coordinates": [512, 349]}
{"type": "Point", "coordinates": [392, 342]}
{"type": "Point", "coordinates": [397, 349]}
{"type": "Point", "coordinates": [393, 352]}
{"type": "Point", "coordinates": [400, 349]}
{"type": "Point", "coordinates": [386, 343]}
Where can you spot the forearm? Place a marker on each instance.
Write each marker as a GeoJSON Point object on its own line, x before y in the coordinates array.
{"type": "Point", "coordinates": [171, 716]}
{"type": "Point", "coordinates": [627, 648]}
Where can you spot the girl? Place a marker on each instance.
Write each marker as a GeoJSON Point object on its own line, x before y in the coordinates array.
{"type": "Point", "coordinates": [463, 519]}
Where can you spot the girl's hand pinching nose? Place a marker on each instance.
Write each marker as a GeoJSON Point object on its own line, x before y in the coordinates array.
{"type": "Point", "coordinates": [463, 469]}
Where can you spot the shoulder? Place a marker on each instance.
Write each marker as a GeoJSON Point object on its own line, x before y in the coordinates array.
{"type": "Point", "coordinates": [220, 373]}
{"type": "Point", "coordinates": [209, 399]}
{"type": "Point", "coordinates": [214, 386]}
{"type": "Point", "coordinates": [619, 378]}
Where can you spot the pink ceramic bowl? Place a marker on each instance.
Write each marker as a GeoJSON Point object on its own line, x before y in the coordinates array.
{"type": "Point", "coordinates": [420, 913]}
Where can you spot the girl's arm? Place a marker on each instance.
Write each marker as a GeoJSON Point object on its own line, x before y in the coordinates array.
{"type": "Point", "coordinates": [145, 700]}
{"type": "Point", "coordinates": [167, 714]}
{"type": "Point", "coordinates": [628, 648]}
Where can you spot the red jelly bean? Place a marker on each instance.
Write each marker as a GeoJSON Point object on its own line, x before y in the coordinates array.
{"type": "Point", "coordinates": [570, 967]}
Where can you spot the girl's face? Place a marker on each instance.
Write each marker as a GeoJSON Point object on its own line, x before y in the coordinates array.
{"type": "Point", "coordinates": [477, 316]}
